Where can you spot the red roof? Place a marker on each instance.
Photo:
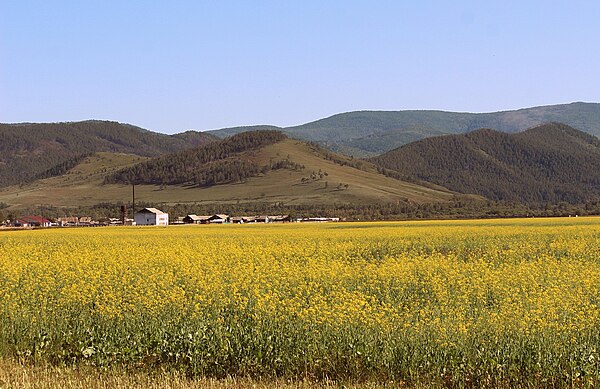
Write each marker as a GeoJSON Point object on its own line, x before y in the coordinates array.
{"type": "Point", "coordinates": [33, 220]}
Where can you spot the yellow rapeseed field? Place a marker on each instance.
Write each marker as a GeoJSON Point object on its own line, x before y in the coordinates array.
{"type": "Point", "coordinates": [449, 302]}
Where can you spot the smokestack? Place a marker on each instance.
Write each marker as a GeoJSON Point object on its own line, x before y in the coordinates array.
{"type": "Point", "coordinates": [123, 213]}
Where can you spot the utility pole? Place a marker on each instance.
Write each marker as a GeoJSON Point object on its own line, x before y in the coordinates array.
{"type": "Point", "coordinates": [133, 201]}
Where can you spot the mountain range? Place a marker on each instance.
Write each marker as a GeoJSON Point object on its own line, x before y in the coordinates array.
{"type": "Point", "coordinates": [370, 133]}
{"type": "Point", "coordinates": [252, 167]}
{"type": "Point", "coordinates": [444, 157]}
{"type": "Point", "coordinates": [30, 151]}
{"type": "Point", "coordinates": [548, 163]}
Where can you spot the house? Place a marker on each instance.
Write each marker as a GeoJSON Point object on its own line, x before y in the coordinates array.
{"type": "Point", "coordinates": [242, 219]}
{"type": "Point", "coordinates": [151, 217]}
{"type": "Point", "coordinates": [85, 221]}
{"type": "Point", "coordinates": [114, 221]}
{"type": "Point", "coordinates": [178, 221]}
{"type": "Point", "coordinates": [69, 221]}
{"type": "Point", "coordinates": [32, 221]}
{"type": "Point", "coordinates": [318, 219]}
{"type": "Point", "coordinates": [218, 218]}
{"type": "Point", "coordinates": [280, 219]}
{"type": "Point", "coordinates": [18, 223]}
{"type": "Point", "coordinates": [195, 219]}
{"type": "Point", "coordinates": [191, 219]}
{"type": "Point", "coordinates": [261, 219]}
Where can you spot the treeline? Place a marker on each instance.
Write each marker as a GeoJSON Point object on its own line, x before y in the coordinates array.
{"type": "Point", "coordinates": [62, 168]}
{"type": "Point", "coordinates": [33, 151]}
{"type": "Point", "coordinates": [552, 163]}
{"type": "Point", "coordinates": [215, 163]}
{"type": "Point", "coordinates": [338, 159]}
{"type": "Point", "coordinates": [401, 210]}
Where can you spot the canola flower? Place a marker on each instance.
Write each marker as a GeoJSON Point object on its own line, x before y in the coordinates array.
{"type": "Point", "coordinates": [451, 302]}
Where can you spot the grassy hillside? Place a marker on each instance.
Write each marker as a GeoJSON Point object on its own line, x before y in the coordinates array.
{"type": "Point", "coordinates": [33, 151]}
{"type": "Point", "coordinates": [368, 133]}
{"type": "Point", "coordinates": [80, 185]}
{"type": "Point", "coordinates": [312, 177]}
{"type": "Point", "coordinates": [549, 163]}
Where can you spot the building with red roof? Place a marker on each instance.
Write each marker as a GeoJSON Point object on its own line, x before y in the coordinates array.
{"type": "Point", "coordinates": [32, 221]}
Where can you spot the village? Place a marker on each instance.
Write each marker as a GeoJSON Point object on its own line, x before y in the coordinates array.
{"type": "Point", "coordinates": [154, 217]}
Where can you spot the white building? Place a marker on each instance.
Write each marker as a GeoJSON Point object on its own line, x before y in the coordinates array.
{"type": "Point", "coordinates": [151, 217]}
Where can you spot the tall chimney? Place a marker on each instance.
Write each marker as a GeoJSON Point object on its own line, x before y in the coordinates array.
{"type": "Point", "coordinates": [123, 214]}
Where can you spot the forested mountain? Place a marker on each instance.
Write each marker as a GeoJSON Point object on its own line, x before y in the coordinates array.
{"type": "Point", "coordinates": [549, 163]}
{"type": "Point", "coordinates": [32, 151]}
{"type": "Point", "coordinates": [225, 132]}
{"type": "Point", "coordinates": [210, 164]}
{"type": "Point", "coordinates": [368, 133]}
{"type": "Point", "coordinates": [261, 168]}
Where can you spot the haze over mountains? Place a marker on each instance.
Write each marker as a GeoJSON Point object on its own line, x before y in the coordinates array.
{"type": "Point", "coordinates": [369, 133]}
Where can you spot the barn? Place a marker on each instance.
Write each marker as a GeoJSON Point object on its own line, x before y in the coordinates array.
{"type": "Point", "coordinates": [195, 219]}
{"type": "Point", "coordinates": [218, 218]}
{"type": "Point", "coordinates": [151, 217]}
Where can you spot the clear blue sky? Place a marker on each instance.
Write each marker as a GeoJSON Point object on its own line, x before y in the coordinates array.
{"type": "Point", "coordinates": [170, 66]}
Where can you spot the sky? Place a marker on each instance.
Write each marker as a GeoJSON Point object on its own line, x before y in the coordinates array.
{"type": "Point", "coordinates": [171, 66]}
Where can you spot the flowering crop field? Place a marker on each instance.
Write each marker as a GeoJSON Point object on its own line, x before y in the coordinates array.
{"type": "Point", "coordinates": [487, 303]}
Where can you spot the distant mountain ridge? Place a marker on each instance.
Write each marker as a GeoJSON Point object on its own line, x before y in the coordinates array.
{"type": "Point", "coordinates": [369, 133]}
{"type": "Point", "coordinates": [548, 163]}
{"type": "Point", "coordinates": [29, 151]}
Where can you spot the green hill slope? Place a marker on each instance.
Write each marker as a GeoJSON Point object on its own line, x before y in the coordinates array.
{"type": "Point", "coordinates": [549, 163]}
{"type": "Point", "coordinates": [368, 133]}
{"type": "Point", "coordinates": [33, 151]}
{"type": "Point", "coordinates": [287, 171]}
{"type": "Point", "coordinates": [80, 185]}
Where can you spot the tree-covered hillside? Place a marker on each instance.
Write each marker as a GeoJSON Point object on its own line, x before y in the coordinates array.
{"type": "Point", "coordinates": [549, 163]}
{"type": "Point", "coordinates": [369, 133]}
{"type": "Point", "coordinates": [215, 163]}
{"type": "Point", "coordinates": [31, 151]}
